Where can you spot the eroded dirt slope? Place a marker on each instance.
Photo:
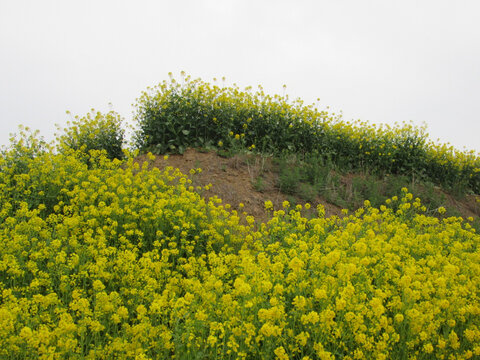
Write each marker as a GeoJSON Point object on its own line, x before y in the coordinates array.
{"type": "Point", "coordinates": [235, 181]}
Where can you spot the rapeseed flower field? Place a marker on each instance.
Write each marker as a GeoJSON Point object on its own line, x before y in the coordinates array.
{"type": "Point", "coordinates": [110, 259]}
{"type": "Point", "coordinates": [102, 257]}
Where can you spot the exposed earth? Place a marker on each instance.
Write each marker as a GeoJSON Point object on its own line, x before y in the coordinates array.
{"type": "Point", "coordinates": [235, 180]}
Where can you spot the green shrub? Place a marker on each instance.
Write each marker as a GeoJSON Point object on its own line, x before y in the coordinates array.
{"type": "Point", "coordinates": [289, 175]}
{"type": "Point", "coordinates": [23, 162]}
{"type": "Point", "coordinates": [24, 146]}
{"type": "Point", "coordinates": [95, 131]}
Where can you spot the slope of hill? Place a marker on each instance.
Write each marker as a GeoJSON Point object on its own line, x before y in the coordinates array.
{"type": "Point", "coordinates": [107, 256]}
{"type": "Point", "coordinates": [106, 259]}
{"type": "Point", "coordinates": [252, 179]}
{"type": "Point", "coordinates": [176, 115]}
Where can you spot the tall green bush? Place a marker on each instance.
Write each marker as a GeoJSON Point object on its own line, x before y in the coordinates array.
{"type": "Point", "coordinates": [95, 131]}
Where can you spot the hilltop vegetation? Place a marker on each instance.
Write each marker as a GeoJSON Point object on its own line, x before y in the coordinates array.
{"type": "Point", "coordinates": [175, 115]}
{"type": "Point", "coordinates": [103, 255]}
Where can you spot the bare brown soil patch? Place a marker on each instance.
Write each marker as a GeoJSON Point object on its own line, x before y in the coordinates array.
{"type": "Point", "coordinates": [235, 180]}
{"type": "Point", "coordinates": [251, 180]}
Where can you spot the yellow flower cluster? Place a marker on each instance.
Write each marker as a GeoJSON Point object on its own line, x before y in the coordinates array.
{"type": "Point", "coordinates": [130, 262]}
{"type": "Point", "coordinates": [95, 131]}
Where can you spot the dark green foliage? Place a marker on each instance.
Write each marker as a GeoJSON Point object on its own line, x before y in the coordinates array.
{"type": "Point", "coordinates": [95, 131]}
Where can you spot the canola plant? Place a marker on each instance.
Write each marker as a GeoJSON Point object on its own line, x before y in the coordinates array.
{"type": "Point", "coordinates": [104, 259]}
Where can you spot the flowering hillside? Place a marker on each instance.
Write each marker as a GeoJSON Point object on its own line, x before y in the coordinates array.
{"type": "Point", "coordinates": [106, 259]}
{"type": "Point", "coordinates": [192, 113]}
{"type": "Point", "coordinates": [103, 255]}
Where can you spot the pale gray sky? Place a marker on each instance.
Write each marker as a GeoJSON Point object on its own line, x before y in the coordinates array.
{"type": "Point", "coordinates": [377, 60]}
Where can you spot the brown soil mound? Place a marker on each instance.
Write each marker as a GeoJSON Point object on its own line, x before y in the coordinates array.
{"type": "Point", "coordinates": [235, 180]}
{"type": "Point", "coordinates": [251, 180]}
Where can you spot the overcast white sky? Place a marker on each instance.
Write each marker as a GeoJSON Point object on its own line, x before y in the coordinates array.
{"type": "Point", "coordinates": [377, 60]}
